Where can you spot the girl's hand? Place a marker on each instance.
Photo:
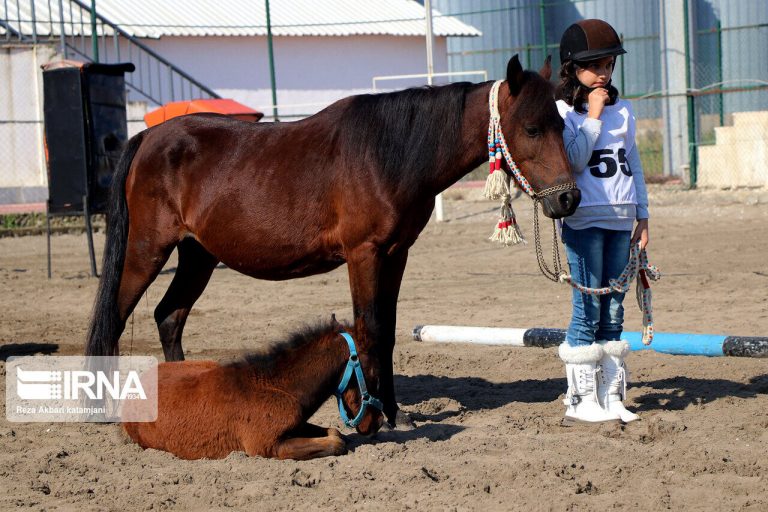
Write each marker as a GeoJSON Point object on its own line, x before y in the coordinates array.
{"type": "Point", "coordinates": [596, 101]}
{"type": "Point", "coordinates": [641, 234]}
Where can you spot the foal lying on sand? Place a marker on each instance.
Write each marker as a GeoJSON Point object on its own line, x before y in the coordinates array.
{"type": "Point", "coordinates": [259, 405]}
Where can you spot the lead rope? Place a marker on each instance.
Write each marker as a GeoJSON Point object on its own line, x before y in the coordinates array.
{"type": "Point", "coordinates": [507, 231]}
{"type": "Point", "coordinates": [637, 266]}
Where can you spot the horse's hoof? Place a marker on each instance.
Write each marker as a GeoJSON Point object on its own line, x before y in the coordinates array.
{"type": "Point", "coordinates": [340, 448]}
{"type": "Point", "coordinates": [403, 422]}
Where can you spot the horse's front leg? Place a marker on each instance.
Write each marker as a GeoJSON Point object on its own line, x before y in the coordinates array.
{"type": "Point", "coordinates": [374, 279]}
{"type": "Point", "coordinates": [364, 264]}
{"type": "Point", "coordinates": [390, 279]}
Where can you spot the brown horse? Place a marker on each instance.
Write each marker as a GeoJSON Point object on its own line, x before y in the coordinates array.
{"type": "Point", "coordinates": [352, 184]}
{"type": "Point", "coordinates": [259, 405]}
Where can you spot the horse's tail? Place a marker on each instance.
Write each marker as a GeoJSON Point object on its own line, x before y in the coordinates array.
{"type": "Point", "coordinates": [106, 325]}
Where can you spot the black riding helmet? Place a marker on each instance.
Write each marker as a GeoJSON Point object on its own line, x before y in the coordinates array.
{"type": "Point", "coordinates": [588, 40]}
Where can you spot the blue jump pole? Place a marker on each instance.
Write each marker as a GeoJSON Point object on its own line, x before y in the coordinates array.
{"type": "Point", "coordinates": [666, 343]}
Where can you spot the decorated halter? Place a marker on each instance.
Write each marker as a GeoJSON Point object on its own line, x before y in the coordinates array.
{"type": "Point", "coordinates": [507, 231]}
{"type": "Point", "coordinates": [353, 365]}
{"type": "Point", "coordinates": [497, 186]}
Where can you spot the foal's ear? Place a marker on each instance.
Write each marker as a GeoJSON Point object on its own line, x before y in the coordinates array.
{"type": "Point", "coordinates": [546, 69]}
{"type": "Point", "coordinates": [515, 75]}
{"type": "Point", "coordinates": [334, 323]}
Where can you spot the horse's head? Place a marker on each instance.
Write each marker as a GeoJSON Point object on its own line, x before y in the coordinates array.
{"type": "Point", "coordinates": [533, 130]}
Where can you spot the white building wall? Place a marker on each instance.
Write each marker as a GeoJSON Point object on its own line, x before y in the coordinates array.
{"type": "Point", "coordinates": [307, 69]}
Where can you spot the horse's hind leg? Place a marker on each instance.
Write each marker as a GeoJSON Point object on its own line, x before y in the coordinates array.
{"type": "Point", "coordinates": [192, 275]}
{"type": "Point", "coordinates": [144, 258]}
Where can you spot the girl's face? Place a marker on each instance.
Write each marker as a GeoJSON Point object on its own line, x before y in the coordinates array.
{"type": "Point", "coordinates": [596, 73]}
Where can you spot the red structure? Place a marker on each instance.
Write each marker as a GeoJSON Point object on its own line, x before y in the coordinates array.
{"type": "Point", "coordinates": [219, 106]}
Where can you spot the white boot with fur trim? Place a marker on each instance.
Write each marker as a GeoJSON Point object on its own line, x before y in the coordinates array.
{"type": "Point", "coordinates": [612, 383]}
{"type": "Point", "coordinates": [582, 370]}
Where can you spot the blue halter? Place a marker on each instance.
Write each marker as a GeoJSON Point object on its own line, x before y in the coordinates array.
{"type": "Point", "coordinates": [353, 365]}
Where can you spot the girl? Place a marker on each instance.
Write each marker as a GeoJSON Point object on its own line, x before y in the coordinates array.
{"type": "Point", "coordinates": [599, 138]}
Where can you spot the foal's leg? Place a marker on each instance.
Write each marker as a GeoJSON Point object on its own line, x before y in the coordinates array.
{"type": "Point", "coordinates": [287, 435]}
{"type": "Point", "coordinates": [312, 430]}
{"type": "Point", "coordinates": [309, 441]}
{"type": "Point", "coordinates": [192, 275]}
{"type": "Point", "coordinates": [304, 448]}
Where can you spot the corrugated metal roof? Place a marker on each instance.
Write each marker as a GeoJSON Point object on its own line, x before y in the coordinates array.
{"type": "Point", "coordinates": [152, 18]}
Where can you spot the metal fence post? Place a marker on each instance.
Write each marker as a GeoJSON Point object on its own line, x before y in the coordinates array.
{"type": "Point", "coordinates": [62, 35]}
{"type": "Point", "coordinates": [270, 50]}
{"type": "Point", "coordinates": [94, 33]}
{"type": "Point", "coordinates": [542, 17]}
{"type": "Point", "coordinates": [692, 138]}
{"type": "Point", "coordinates": [721, 109]}
{"type": "Point", "coordinates": [34, 22]}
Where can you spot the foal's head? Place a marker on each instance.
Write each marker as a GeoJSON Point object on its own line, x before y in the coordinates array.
{"type": "Point", "coordinates": [373, 418]}
{"type": "Point", "coordinates": [352, 399]}
{"type": "Point", "coordinates": [533, 130]}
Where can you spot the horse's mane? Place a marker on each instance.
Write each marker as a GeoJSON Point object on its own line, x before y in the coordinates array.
{"type": "Point", "coordinates": [405, 133]}
{"type": "Point", "coordinates": [264, 361]}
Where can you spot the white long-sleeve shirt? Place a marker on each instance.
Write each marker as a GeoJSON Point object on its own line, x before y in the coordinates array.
{"type": "Point", "coordinates": [607, 167]}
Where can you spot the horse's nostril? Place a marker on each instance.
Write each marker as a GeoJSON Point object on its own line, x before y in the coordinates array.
{"type": "Point", "coordinates": [569, 200]}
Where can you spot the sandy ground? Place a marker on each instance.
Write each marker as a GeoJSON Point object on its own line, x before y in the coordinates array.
{"type": "Point", "coordinates": [488, 419]}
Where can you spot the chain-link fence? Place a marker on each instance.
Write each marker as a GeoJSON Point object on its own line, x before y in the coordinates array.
{"type": "Point", "coordinates": [23, 178]}
{"type": "Point", "coordinates": [729, 100]}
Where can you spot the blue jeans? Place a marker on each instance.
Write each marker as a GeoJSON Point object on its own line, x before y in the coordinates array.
{"type": "Point", "coordinates": [595, 255]}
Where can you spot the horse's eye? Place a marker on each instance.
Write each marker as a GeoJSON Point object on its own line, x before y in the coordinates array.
{"type": "Point", "coordinates": [532, 131]}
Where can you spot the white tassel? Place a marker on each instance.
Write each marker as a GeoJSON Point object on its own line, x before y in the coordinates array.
{"type": "Point", "coordinates": [507, 232]}
{"type": "Point", "coordinates": [496, 185]}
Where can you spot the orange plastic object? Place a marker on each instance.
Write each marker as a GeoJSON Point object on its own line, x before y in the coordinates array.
{"type": "Point", "coordinates": [219, 106]}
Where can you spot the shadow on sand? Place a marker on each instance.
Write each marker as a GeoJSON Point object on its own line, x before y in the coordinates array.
{"type": "Point", "coordinates": [26, 349]}
{"type": "Point", "coordinates": [474, 393]}
{"type": "Point", "coordinates": [680, 392]}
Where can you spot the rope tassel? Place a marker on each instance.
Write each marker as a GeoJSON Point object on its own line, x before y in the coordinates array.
{"type": "Point", "coordinates": [497, 183]}
{"type": "Point", "coordinates": [507, 230]}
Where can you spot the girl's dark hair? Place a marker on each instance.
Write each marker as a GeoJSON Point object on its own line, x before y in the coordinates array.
{"type": "Point", "coordinates": [573, 92]}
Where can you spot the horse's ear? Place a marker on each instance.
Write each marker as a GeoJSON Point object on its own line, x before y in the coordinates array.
{"type": "Point", "coordinates": [515, 75]}
{"type": "Point", "coordinates": [334, 323]}
{"type": "Point", "coordinates": [546, 69]}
